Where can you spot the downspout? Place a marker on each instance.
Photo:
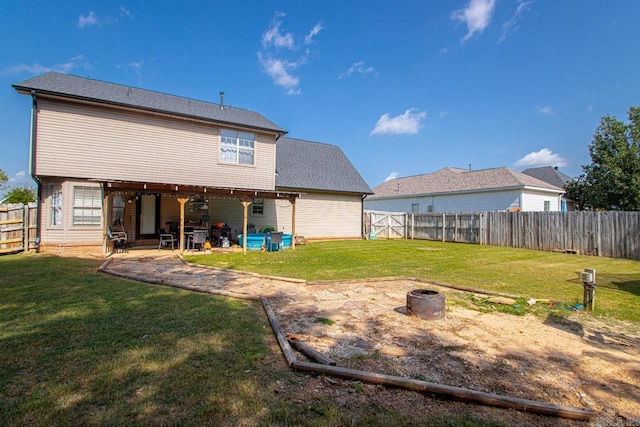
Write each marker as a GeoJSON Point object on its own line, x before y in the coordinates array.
{"type": "Point", "coordinates": [363, 233]}
{"type": "Point", "coordinates": [32, 165]}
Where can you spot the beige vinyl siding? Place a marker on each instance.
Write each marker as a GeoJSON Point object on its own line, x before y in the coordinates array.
{"type": "Point", "coordinates": [87, 141]}
{"type": "Point", "coordinates": [67, 234]}
{"type": "Point", "coordinates": [230, 212]}
{"type": "Point", "coordinates": [323, 215]}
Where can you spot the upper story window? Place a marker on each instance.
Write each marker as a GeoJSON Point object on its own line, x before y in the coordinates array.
{"type": "Point", "coordinates": [87, 206]}
{"type": "Point", "coordinates": [415, 207]}
{"type": "Point", "coordinates": [56, 206]}
{"type": "Point", "coordinates": [547, 205]}
{"type": "Point", "coordinates": [237, 147]}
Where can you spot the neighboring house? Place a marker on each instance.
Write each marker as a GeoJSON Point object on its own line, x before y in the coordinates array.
{"type": "Point", "coordinates": [552, 175]}
{"type": "Point", "coordinates": [107, 155]}
{"type": "Point", "coordinates": [460, 190]}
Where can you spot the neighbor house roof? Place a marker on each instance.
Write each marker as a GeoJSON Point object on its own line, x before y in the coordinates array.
{"type": "Point", "coordinates": [549, 175]}
{"type": "Point", "coordinates": [86, 89]}
{"type": "Point", "coordinates": [316, 166]}
{"type": "Point", "coordinates": [451, 180]}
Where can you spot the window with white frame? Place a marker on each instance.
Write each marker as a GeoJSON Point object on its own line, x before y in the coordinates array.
{"type": "Point", "coordinates": [237, 147]}
{"type": "Point", "coordinates": [547, 205]}
{"type": "Point", "coordinates": [415, 207]}
{"type": "Point", "coordinates": [257, 207]}
{"type": "Point", "coordinates": [56, 206]}
{"type": "Point", "coordinates": [117, 209]}
{"type": "Point", "coordinates": [87, 206]}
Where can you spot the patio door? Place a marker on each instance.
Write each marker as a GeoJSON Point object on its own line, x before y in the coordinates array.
{"type": "Point", "coordinates": [148, 215]}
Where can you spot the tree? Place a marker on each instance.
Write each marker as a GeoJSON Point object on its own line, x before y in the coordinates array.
{"type": "Point", "coordinates": [3, 178]}
{"type": "Point", "coordinates": [612, 180]}
{"type": "Point", "coordinates": [20, 195]}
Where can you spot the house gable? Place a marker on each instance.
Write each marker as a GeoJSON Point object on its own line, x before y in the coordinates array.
{"type": "Point", "coordinates": [307, 165]}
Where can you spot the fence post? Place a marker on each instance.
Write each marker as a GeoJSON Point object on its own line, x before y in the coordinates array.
{"type": "Point", "coordinates": [444, 221]}
{"type": "Point", "coordinates": [455, 228]}
{"type": "Point", "coordinates": [598, 236]}
{"type": "Point", "coordinates": [25, 228]}
{"type": "Point", "coordinates": [413, 225]}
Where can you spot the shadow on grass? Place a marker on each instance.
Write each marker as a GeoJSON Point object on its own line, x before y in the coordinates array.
{"type": "Point", "coordinates": [82, 348]}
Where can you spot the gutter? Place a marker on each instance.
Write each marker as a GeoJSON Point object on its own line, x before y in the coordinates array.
{"type": "Point", "coordinates": [32, 165]}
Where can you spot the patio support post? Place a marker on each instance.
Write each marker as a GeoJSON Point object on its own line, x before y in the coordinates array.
{"type": "Point", "coordinates": [245, 214]}
{"type": "Point", "coordinates": [105, 217]}
{"type": "Point", "coordinates": [182, 201]}
{"type": "Point", "coordinates": [293, 223]}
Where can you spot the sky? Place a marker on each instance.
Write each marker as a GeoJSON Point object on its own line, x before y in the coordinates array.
{"type": "Point", "coordinates": [403, 88]}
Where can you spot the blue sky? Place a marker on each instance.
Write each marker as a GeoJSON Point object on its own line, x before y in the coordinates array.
{"type": "Point", "coordinates": [403, 88]}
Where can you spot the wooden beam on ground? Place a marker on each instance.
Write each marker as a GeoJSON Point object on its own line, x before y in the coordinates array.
{"type": "Point", "coordinates": [310, 352]}
{"type": "Point", "coordinates": [458, 393]}
{"type": "Point", "coordinates": [280, 335]}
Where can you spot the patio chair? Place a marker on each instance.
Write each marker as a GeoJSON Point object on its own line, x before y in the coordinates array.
{"type": "Point", "coordinates": [118, 239]}
{"type": "Point", "coordinates": [197, 238]}
{"type": "Point", "coordinates": [166, 238]}
{"type": "Point", "coordinates": [275, 239]}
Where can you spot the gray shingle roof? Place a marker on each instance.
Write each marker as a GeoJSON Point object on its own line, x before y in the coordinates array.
{"type": "Point", "coordinates": [316, 166]}
{"type": "Point", "coordinates": [550, 175]}
{"type": "Point", "coordinates": [53, 83]}
{"type": "Point", "coordinates": [448, 180]}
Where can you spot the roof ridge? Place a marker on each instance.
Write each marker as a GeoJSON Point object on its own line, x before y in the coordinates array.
{"type": "Point", "coordinates": [145, 90]}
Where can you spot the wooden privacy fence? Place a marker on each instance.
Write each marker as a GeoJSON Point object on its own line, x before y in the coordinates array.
{"type": "Point", "coordinates": [18, 227]}
{"type": "Point", "coordinates": [610, 234]}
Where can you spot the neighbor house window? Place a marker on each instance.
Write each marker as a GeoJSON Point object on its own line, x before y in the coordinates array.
{"type": "Point", "coordinates": [257, 207]}
{"type": "Point", "coordinates": [117, 210]}
{"type": "Point", "coordinates": [56, 206]}
{"type": "Point", "coordinates": [237, 147]}
{"type": "Point", "coordinates": [87, 206]}
{"type": "Point", "coordinates": [430, 208]}
{"type": "Point", "coordinates": [547, 205]}
{"type": "Point", "coordinates": [415, 207]}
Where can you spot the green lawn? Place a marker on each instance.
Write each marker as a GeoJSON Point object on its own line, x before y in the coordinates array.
{"type": "Point", "coordinates": [78, 347]}
{"type": "Point", "coordinates": [531, 274]}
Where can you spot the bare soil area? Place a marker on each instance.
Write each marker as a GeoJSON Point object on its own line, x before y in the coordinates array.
{"type": "Point", "coordinates": [574, 361]}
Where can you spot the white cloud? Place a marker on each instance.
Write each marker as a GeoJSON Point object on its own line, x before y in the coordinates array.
{"type": "Point", "coordinates": [65, 67]}
{"type": "Point", "coordinates": [124, 12]}
{"type": "Point", "coordinates": [544, 157]}
{"type": "Point", "coordinates": [476, 16]}
{"type": "Point", "coordinates": [273, 36]}
{"type": "Point", "coordinates": [19, 179]}
{"type": "Point", "coordinates": [392, 175]}
{"type": "Point", "coordinates": [137, 65]}
{"type": "Point", "coordinates": [546, 110]}
{"type": "Point", "coordinates": [86, 21]}
{"type": "Point", "coordinates": [277, 70]}
{"type": "Point", "coordinates": [314, 32]}
{"type": "Point", "coordinates": [279, 63]}
{"type": "Point", "coordinates": [589, 108]}
{"type": "Point", "coordinates": [407, 123]}
{"type": "Point", "coordinates": [442, 114]}
{"type": "Point", "coordinates": [357, 67]}
{"type": "Point", "coordinates": [512, 25]}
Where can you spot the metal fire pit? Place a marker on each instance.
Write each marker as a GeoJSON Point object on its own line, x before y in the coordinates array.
{"type": "Point", "coordinates": [425, 304]}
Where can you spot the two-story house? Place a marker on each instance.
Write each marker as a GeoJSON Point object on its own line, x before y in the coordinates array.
{"type": "Point", "coordinates": [111, 156]}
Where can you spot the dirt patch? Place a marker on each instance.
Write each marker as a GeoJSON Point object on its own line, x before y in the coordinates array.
{"type": "Point", "coordinates": [574, 360]}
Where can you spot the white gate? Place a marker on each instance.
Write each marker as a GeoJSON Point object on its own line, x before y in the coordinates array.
{"type": "Point", "coordinates": [387, 225]}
